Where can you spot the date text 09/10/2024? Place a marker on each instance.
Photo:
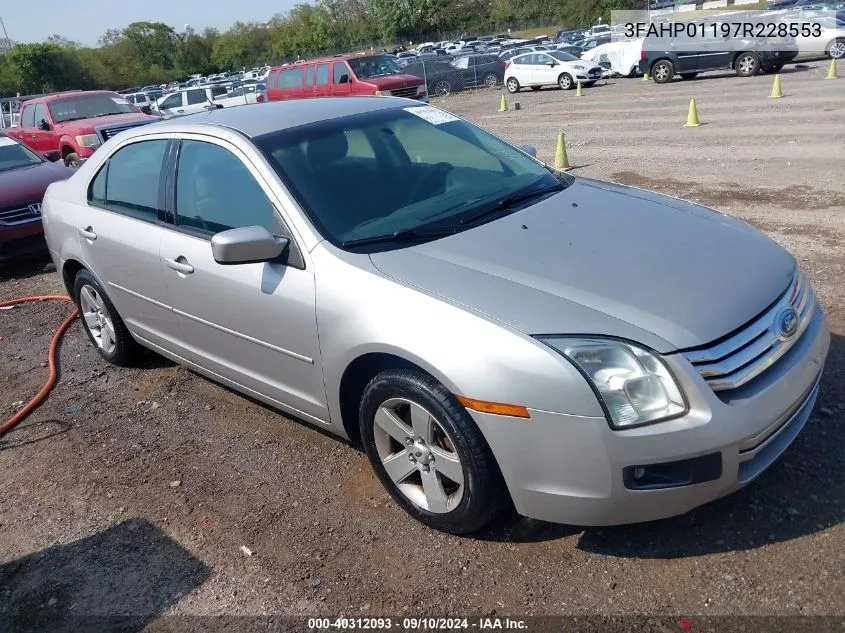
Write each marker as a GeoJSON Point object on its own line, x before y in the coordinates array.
{"type": "Point", "coordinates": [417, 624]}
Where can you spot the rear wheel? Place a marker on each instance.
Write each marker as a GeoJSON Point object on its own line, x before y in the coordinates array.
{"type": "Point", "coordinates": [836, 50]}
{"type": "Point", "coordinates": [512, 85]}
{"type": "Point", "coordinates": [662, 71]}
{"type": "Point", "coordinates": [429, 454]}
{"type": "Point", "coordinates": [688, 75]}
{"type": "Point", "coordinates": [491, 80]}
{"type": "Point", "coordinates": [747, 64]}
{"type": "Point", "coordinates": [565, 81]}
{"type": "Point", "coordinates": [101, 321]}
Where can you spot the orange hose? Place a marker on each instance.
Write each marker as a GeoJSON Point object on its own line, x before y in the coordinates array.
{"type": "Point", "coordinates": [51, 358]}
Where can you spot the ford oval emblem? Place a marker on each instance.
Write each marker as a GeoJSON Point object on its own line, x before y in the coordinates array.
{"type": "Point", "coordinates": [786, 323]}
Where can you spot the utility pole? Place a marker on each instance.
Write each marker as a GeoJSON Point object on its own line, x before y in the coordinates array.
{"type": "Point", "coordinates": [8, 45]}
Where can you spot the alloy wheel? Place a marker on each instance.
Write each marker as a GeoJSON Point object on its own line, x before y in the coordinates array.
{"type": "Point", "coordinates": [442, 88]}
{"type": "Point", "coordinates": [418, 455]}
{"type": "Point", "coordinates": [837, 49]}
{"type": "Point", "coordinates": [97, 319]}
{"type": "Point", "coordinates": [491, 81]}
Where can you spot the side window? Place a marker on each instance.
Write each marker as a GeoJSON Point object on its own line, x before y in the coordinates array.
{"type": "Point", "coordinates": [28, 117]}
{"type": "Point", "coordinates": [132, 180]}
{"type": "Point", "coordinates": [291, 78]}
{"type": "Point", "coordinates": [309, 75]}
{"type": "Point", "coordinates": [173, 101]}
{"type": "Point", "coordinates": [522, 60]}
{"type": "Point", "coordinates": [196, 97]}
{"type": "Point", "coordinates": [40, 114]}
{"type": "Point", "coordinates": [215, 192]}
{"type": "Point", "coordinates": [97, 190]}
{"type": "Point", "coordinates": [322, 74]}
{"type": "Point", "coordinates": [542, 59]}
{"type": "Point", "coordinates": [462, 62]}
{"type": "Point", "coordinates": [218, 91]}
{"type": "Point", "coordinates": [341, 73]}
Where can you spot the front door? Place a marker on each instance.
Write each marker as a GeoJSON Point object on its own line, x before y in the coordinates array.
{"type": "Point", "coordinates": [252, 324]}
{"type": "Point", "coordinates": [45, 140]}
{"type": "Point", "coordinates": [172, 104]}
{"type": "Point", "coordinates": [544, 69]}
{"type": "Point", "coordinates": [341, 80]}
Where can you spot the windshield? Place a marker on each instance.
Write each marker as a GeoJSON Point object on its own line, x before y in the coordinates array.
{"type": "Point", "coordinates": [88, 107]}
{"type": "Point", "coordinates": [376, 66]}
{"type": "Point", "coordinates": [14, 155]}
{"type": "Point", "coordinates": [564, 57]}
{"type": "Point", "coordinates": [399, 170]}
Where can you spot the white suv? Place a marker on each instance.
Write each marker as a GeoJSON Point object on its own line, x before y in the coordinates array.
{"type": "Point", "coordinates": [190, 101]}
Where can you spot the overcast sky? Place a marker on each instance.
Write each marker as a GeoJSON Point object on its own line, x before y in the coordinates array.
{"type": "Point", "coordinates": [85, 21]}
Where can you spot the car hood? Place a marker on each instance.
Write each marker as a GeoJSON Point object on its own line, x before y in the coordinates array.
{"type": "Point", "coordinates": [393, 82]}
{"type": "Point", "coordinates": [25, 185]}
{"type": "Point", "coordinates": [88, 126]}
{"type": "Point", "coordinates": [599, 258]}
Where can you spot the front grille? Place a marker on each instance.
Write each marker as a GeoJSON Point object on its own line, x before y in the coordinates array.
{"type": "Point", "coordinates": [406, 93]}
{"type": "Point", "coordinates": [748, 353]}
{"type": "Point", "coordinates": [107, 132]}
{"type": "Point", "coordinates": [22, 215]}
{"type": "Point", "coordinates": [595, 72]}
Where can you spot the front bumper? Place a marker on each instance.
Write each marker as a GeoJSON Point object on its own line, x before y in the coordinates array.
{"type": "Point", "coordinates": [570, 469]}
{"type": "Point", "coordinates": [21, 241]}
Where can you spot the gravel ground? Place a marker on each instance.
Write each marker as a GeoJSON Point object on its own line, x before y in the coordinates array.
{"type": "Point", "coordinates": [135, 491]}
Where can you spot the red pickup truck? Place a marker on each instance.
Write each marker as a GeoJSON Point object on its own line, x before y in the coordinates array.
{"type": "Point", "coordinates": [71, 125]}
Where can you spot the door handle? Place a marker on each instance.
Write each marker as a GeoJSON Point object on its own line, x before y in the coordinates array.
{"type": "Point", "coordinates": [88, 233]}
{"type": "Point", "coordinates": [179, 267]}
{"type": "Point", "coordinates": [180, 111]}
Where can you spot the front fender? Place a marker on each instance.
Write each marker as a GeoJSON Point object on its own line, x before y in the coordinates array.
{"type": "Point", "coordinates": [360, 311]}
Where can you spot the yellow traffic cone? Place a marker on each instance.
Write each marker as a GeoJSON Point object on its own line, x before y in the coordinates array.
{"type": "Point", "coordinates": [561, 160]}
{"type": "Point", "coordinates": [645, 76]}
{"type": "Point", "coordinates": [578, 91]}
{"type": "Point", "coordinates": [692, 117]}
{"type": "Point", "coordinates": [504, 106]}
{"type": "Point", "coordinates": [831, 71]}
{"type": "Point", "coordinates": [777, 93]}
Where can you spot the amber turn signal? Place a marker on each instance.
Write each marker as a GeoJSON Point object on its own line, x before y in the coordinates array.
{"type": "Point", "coordinates": [497, 408]}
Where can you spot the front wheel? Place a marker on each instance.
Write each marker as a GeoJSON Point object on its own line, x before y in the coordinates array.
{"type": "Point", "coordinates": [101, 321]}
{"type": "Point", "coordinates": [836, 50]}
{"type": "Point", "coordinates": [512, 85]}
{"type": "Point", "coordinates": [441, 87]}
{"type": "Point", "coordinates": [429, 454]}
{"type": "Point", "coordinates": [73, 160]}
{"type": "Point", "coordinates": [747, 64]}
{"type": "Point", "coordinates": [662, 71]}
{"type": "Point", "coordinates": [565, 81]}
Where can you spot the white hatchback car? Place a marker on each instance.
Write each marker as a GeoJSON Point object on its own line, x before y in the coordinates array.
{"type": "Point", "coordinates": [550, 68]}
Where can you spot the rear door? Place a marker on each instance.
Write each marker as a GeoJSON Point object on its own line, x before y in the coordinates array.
{"type": "Point", "coordinates": [26, 131]}
{"type": "Point", "coordinates": [523, 69]}
{"type": "Point", "coordinates": [252, 324]}
{"type": "Point", "coordinates": [341, 79]}
{"type": "Point", "coordinates": [322, 80]}
{"type": "Point", "coordinates": [197, 100]}
{"type": "Point", "coordinates": [714, 52]}
{"type": "Point", "coordinates": [120, 230]}
{"type": "Point", "coordinates": [172, 104]}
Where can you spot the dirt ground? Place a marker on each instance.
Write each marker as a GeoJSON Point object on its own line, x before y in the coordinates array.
{"type": "Point", "coordinates": [132, 491]}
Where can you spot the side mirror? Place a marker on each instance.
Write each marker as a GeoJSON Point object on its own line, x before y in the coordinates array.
{"type": "Point", "coordinates": [43, 125]}
{"type": "Point", "coordinates": [529, 149]}
{"type": "Point", "coordinates": [344, 79]}
{"type": "Point", "coordinates": [551, 64]}
{"type": "Point", "coordinates": [146, 109]}
{"type": "Point", "coordinates": [251, 244]}
{"type": "Point", "coordinates": [52, 156]}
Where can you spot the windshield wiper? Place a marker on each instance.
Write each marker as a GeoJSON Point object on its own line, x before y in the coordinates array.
{"type": "Point", "coordinates": [508, 202]}
{"type": "Point", "coordinates": [406, 235]}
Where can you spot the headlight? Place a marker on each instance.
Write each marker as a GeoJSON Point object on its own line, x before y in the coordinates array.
{"type": "Point", "coordinates": [88, 140]}
{"type": "Point", "coordinates": [382, 93]}
{"type": "Point", "coordinates": [634, 384]}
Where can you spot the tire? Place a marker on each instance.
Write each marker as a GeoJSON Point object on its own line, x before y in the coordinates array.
{"type": "Point", "coordinates": [747, 64]}
{"type": "Point", "coordinates": [836, 49]}
{"type": "Point", "coordinates": [446, 434]}
{"type": "Point", "coordinates": [662, 71]}
{"type": "Point", "coordinates": [565, 81]}
{"type": "Point", "coordinates": [512, 85]}
{"type": "Point", "coordinates": [490, 80]}
{"type": "Point", "coordinates": [102, 323]}
{"type": "Point", "coordinates": [689, 75]}
{"type": "Point", "coordinates": [441, 87]}
{"type": "Point", "coordinates": [73, 160]}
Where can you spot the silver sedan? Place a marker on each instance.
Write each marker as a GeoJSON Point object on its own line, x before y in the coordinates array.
{"type": "Point", "coordinates": [495, 333]}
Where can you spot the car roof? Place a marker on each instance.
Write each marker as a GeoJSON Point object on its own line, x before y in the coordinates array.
{"type": "Point", "coordinates": [264, 118]}
{"type": "Point", "coordinates": [56, 96]}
